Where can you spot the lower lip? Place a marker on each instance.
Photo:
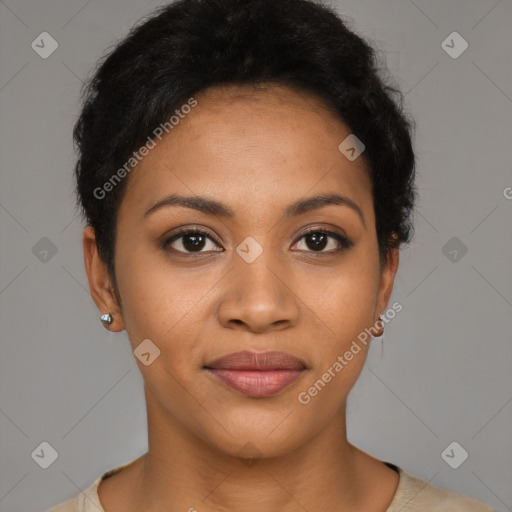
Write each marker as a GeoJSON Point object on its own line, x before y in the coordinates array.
{"type": "Point", "coordinates": [256, 383]}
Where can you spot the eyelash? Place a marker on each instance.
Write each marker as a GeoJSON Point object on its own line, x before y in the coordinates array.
{"type": "Point", "coordinates": [343, 241]}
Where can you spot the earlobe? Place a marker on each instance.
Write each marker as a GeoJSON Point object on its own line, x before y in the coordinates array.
{"type": "Point", "coordinates": [100, 284]}
{"type": "Point", "coordinates": [387, 279]}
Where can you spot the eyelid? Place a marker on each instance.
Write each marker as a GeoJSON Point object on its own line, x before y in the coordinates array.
{"type": "Point", "coordinates": [338, 234]}
{"type": "Point", "coordinates": [190, 230]}
{"type": "Point", "coordinates": [324, 229]}
{"type": "Point", "coordinates": [199, 230]}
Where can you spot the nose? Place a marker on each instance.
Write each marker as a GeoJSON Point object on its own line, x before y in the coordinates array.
{"type": "Point", "coordinates": [258, 296]}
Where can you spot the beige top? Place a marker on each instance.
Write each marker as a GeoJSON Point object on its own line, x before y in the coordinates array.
{"type": "Point", "coordinates": [412, 495]}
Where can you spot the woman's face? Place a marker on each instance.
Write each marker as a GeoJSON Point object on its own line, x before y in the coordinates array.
{"type": "Point", "coordinates": [257, 281]}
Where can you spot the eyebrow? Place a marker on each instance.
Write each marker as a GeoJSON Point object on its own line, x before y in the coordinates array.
{"type": "Point", "coordinates": [214, 207]}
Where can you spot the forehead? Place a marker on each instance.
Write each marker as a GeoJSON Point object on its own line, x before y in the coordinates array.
{"type": "Point", "coordinates": [250, 148]}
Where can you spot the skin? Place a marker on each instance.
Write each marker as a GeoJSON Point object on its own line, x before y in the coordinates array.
{"type": "Point", "coordinates": [256, 151]}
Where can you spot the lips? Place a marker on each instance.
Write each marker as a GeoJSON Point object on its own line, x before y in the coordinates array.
{"type": "Point", "coordinates": [247, 360]}
{"type": "Point", "coordinates": [257, 374]}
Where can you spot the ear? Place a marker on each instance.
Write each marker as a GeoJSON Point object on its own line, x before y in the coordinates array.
{"type": "Point", "coordinates": [387, 280]}
{"type": "Point", "coordinates": [100, 283]}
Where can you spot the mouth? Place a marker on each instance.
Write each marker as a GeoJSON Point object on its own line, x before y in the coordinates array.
{"type": "Point", "coordinates": [257, 374]}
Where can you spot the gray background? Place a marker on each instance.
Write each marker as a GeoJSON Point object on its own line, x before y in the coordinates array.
{"type": "Point", "coordinates": [443, 373]}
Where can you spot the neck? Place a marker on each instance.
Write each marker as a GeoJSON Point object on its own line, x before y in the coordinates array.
{"type": "Point", "coordinates": [186, 473]}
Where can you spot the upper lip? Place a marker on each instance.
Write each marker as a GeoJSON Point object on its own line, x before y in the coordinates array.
{"type": "Point", "coordinates": [266, 361]}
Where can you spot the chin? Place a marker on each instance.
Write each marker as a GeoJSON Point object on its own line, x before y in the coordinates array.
{"type": "Point", "coordinates": [255, 435]}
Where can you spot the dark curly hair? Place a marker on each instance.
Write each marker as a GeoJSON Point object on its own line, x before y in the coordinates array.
{"type": "Point", "coordinates": [190, 45]}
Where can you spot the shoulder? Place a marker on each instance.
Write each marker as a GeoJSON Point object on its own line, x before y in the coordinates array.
{"type": "Point", "coordinates": [415, 494]}
{"type": "Point", "coordinates": [71, 505]}
{"type": "Point", "coordinates": [86, 501]}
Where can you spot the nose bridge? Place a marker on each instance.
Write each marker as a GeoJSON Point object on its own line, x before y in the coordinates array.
{"type": "Point", "coordinates": [257, 295]}
{"type": "Point", "coordinates": [258, 277]}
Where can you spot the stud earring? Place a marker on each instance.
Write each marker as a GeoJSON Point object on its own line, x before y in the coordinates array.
{"type": "Point", "coordinates": [106, 319]}
{"type": "Point", "coordinates": [381, 333]}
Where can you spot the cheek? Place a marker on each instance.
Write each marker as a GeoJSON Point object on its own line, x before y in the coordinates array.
{"type": "Point", "coordinates": [348, 304]}
{"type": "Point", "coordinates": [341, 343]}
{"type": "Point", "coordinates": [164, 303]}
{"type": "Point", "coordinates": [343, 297]}
{"type": "Point", "coordinates": [341, 306]}
{"type": "Point", "coordinates": [151, 304]}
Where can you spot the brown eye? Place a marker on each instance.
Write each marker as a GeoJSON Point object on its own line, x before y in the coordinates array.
{"type": "Point", "coordinates": [317, 240]}
{"type": "Point", "coordinates": [191, 241]}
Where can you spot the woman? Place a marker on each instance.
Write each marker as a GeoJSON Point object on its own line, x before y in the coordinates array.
{"type": "Point", "coordinates": [247, 180]}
